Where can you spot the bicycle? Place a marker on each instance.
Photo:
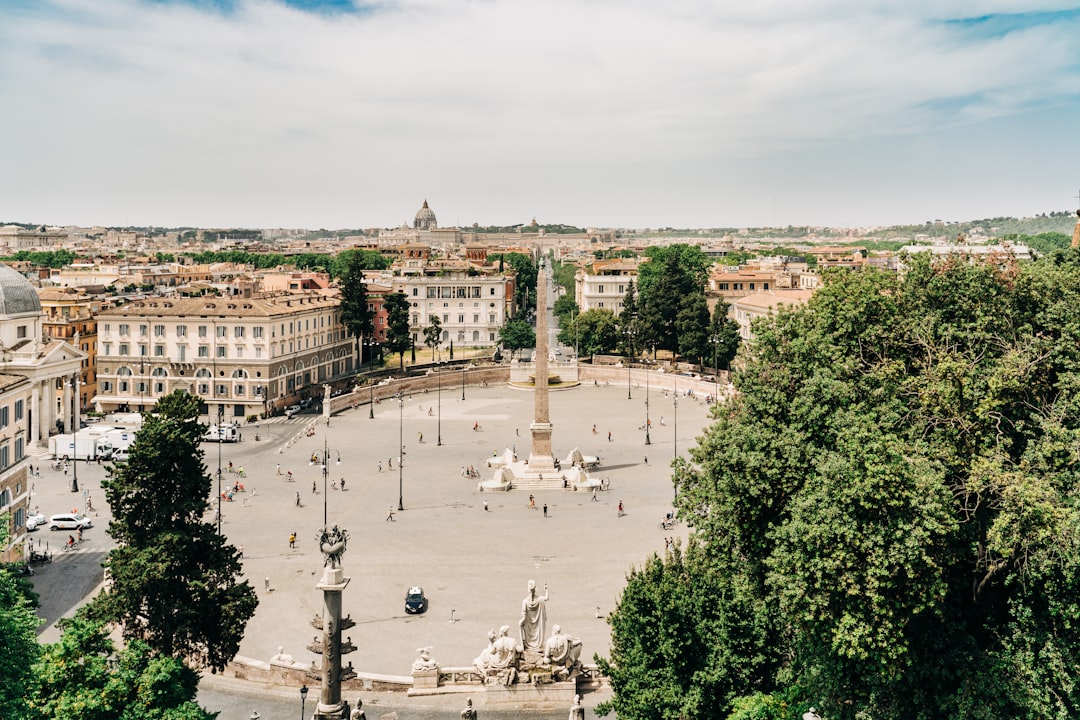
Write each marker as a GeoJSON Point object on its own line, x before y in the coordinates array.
{"type": "Point", "coordinates": [71, 546]}
{"type": "Point", "coordinates": [667, 524]}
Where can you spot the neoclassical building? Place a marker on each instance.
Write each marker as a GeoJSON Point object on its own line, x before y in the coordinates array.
{"type": "Point", "coordinates": [51, 365]}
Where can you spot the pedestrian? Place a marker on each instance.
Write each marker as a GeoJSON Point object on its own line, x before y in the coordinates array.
{"type": "Point", "coordinates": [545, 510]}
{"type": "Point", "coordinates": [297, 498]}
{"type": "Point", "coordinates": [419, 437]}
{"type": "Point", "coordinates": [390, 463]}
{"type": "Point", "coordinates": [380, 466]}
{"type": "Point", "coordinates": [292, 539]}
{"type": "Point", "coordinates": [485, 506]}
{"type": "Point", "coordinates": [532, 503]}
{"type": "Point", "coordinates": [313, 490]}
{"type": "Point", "coordinates": [621, 513]}
{"type": "Point", "coordinates": [279, 468]}
{"type": "Point", "coordinates": [343, 484]}
{"type": "Point", "coordinates": [288, 475]}
{"type": "Point", "coordinates": [517, 432]}
{"type": "Point", "coordinates": [266, 584]}
{"type": "Point", "coordinates": [241, 548]}
{"type": "Point", "coordinates": [594, 494]}
{"type": "Point", "coordinates": [609, 436]}
{"type": "Point", "coordinates": [390, 515]}
{"type": "Point", "coordinates": [646, 459]}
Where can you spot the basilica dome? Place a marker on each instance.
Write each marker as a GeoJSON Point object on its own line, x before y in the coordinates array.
{"type": "Point", "coordinates": [425, 218]}
{"type": "Point", "coordinates": [17, 295]}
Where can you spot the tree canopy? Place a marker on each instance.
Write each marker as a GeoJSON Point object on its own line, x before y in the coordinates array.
{"type": "Point", "coordinates": [525, 283]}
{"type": "Point", "coordinates": [592, 332]}
{"type": "Point", "coordinates": [517, 334]}
{"type": "Point", "coordinates": [18, 637]}
{"type": "Point", "coordinates": [887, 517]}
{"type": "Point", "coordinates": [398, 337]}
{"type": "Point", "coordinates": [355, 311]}
{"type": "Point", "coordinates": [174, 577]}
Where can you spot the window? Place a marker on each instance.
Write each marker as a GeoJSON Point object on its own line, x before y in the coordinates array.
{"type": "Point", "coordinates": [5, 456]}
{"type": "Point", "coordinates": [106, 385]}
{"type": "Point", "coordinates": [258, 351]}
{"type": "Point", "coordinates": [238, 390]}
{"type": "Point", "coordinates": [159, 387]}
{"type": "Point", "coordinates": [124, 328]}
{"type": "Point", "coordinates": [476, 317]}
{"type": "Point", "coordinates": [142, 350]}
{"type": "Point", "coordinates": [204, 388]}
{"type": "Point", "coordinates": [204, 351]}
{"type": "Point", "coordinates": [20, 332]}
{"type": "Point", "coordinates": [257, 332]}
{"type": "Point", "coordinates": [123, 386]}
{"type": "Point", "coordinates": [238, 331]}
{"type": "Point", "coordinates": [19, 449]}
{"type": "Point", "coordinates": [222, 389]}
{"type": "Point", "coordinates": [492, 291]}
{"type": "Point", "coordinates": [181, 331]}
{"type": "Point", "coordinates": [5, 417]}
{"type": "Point", "coordinates": [106, 327]}
{"type": "Point", "coordinates": [461, 318]}
{"type": "Point", "coordinates": [222, 331]}
{"type": "Point", "coordinates": [124, 349]}
{"type": "Point", "coordinates": [142, 330]}
{"type": "Point", "coordinates": [221, 351]}
{"type": "Point", "coordinates": [159, 331]}
{"type": "Point", "coordinates": [141, 387]}
{"type": "Point", "coordinates": [415, 291]}
{"type": "Point", "coordinates": [106, 348]}
{"type": "Point", "coordinates": [600, 288]}
{"type": "Point", "coordinates": [239, 352]}
{"type": "Point", "coordinates": [202, 331]}
{"type": "Point", "coordinates": [159, 351]}
{"type": "Point", "coordinates": [182, 350]}
{"type": "Point", "coordinates": [19, 410]}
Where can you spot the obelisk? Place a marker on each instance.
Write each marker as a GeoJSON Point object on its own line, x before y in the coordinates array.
{"type": "Point", "coordinates": [541, 460]}
{"type": "Point", "coordinates": [333, 582]}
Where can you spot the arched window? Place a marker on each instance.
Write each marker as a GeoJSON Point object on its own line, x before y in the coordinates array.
{"type": "Point", "coordinates": [160, 372]}
{"type": "Point", "coordinates": [203, 373]}
{"type": "Point", "coordinates": [240, 373]}
{"type": "Point", "coordinates": [123, 372]}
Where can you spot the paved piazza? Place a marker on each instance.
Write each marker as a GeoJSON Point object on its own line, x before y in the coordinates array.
{"type": "Point", "coordinates": [472, 563]}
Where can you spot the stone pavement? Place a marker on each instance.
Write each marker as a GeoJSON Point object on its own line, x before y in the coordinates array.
{"type": "Point", "coordinates": [473, 564]}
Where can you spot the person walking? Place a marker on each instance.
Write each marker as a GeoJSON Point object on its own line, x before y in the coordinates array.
{"type": "Point", "coordinates": [532, 503]}
{"type": "Point", "coordinates": [545, 510]}
{"type": "Point", "coordinates": [609, 436]}
{"type": "Point", "coordinates": [485, 506]}
{"type": "Point", "coordinates": [279, 468]}
{"type": "Point", "coordinates": [621, 513]}
{"type": "Point", "coordinates": [594, 499]}
{"type": "Point", "coordinates": [342, 484]}
{"type": "Point", "coordinates": [297, 498]}
{"type": "Point", "coordinates": [313, 490]}
{"type": "Point", "coordinates": [380, 466]}
{"type": "Point", "coordinates": [390, 463]}
{"type": "Point", "coordinates": [390, 515]}
{"type": "Point", "coordinates": [292, 539]}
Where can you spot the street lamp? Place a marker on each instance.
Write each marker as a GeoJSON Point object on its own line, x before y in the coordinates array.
{"type": "Point", "coordinates": [629, 353]}
{"type": "Point", "coordinates": [303, 700]}
{"type": "Point", "coordinates": [715, 354]}
{"type": "Point", "coordinates": [438, 373]}
{"type": "Point", "coordinates": [675, 404]}
{"type": "Point", "coordinates": [463, 381]}
{"type": "Point", "coordinates": [75, 435]}
{"type": "Point", "coordinates": [325, 471]}
{"type": "Point", "coordinates": [220, 419]}
{"type": "Point", "coordinates": [648, 421]}
{"type": "Point", "coordinates": [401, 445]}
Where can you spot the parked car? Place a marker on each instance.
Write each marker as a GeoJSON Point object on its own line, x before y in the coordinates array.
{"type": "Point", "coordinates": [34, 520]}
{"type": "Point", "coordinates": [69, 521]}
{"type": "Point", "coordinates": [415, 600]}
{"type": "Point", "coordinates": [292, 410]}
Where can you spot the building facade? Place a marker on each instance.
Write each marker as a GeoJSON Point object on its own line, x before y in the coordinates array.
{"type": "Point", "coordinates": [603, 284]}
{"type": "Point", "coordinates": [14, 437]}
{"type": "Point", "coordinates": [471, 306]}
{"type": "Point", "coordinates": [71, 315]}
{"type": "Point", "coordinates": [242, 356]}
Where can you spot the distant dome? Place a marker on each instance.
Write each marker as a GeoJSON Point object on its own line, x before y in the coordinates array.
{"type": "Point", "coordinates": [17, 295]}
{"type": "Point", "coordinates": [425, 218]}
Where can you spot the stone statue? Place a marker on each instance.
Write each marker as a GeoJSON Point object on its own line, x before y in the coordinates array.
{"type": "Point", "coordinates": [358, 713]}
{"type": "Point", "coordinates": [562, 650]}
{"type": "Point", "coordinates": [468, 713]}
{"type": "Point", "coordinates": [332, 543]}
{"type": "Point", "coordinates": [500, 657]}
{"type": "Point", "coordinates": [811, 714]}
{"type": "Point", "coordinates": [577, 711]}
{"type": "Point", "coordinates": [533, 618]}
{"type": "Point", "coordinates": [424, 662]}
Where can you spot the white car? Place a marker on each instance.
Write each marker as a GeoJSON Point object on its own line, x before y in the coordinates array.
{"type": "Point", "coordinates": [70, 521]}
{"type": "Point", "coordinates": [292, 410]}
{"type": "Point", "coordinates": [34, 520]}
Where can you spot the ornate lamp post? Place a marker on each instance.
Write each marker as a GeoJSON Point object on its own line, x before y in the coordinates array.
{"type": "Point", "coordinates": [463, 382]}
{"type": "Point", "coordinates": [675, 404]}
{"type": "Point", "coordinates": [303, 700]}
{"type": "Point", "coordinates": [401, 446]}
{"type": "Point", "coordinates": [325, 471]}
{"type": "Point", "coordinates": [74, 436]}
{"type": "Point", "coordinates": [648, 421]}
{"type": "Point", "coordinates": [438, 372]}
{"type": "Point", "coordinates": [629, 354]}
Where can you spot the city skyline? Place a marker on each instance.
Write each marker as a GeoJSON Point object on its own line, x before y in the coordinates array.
{"type": "Point", "coordinates": [338, 114]}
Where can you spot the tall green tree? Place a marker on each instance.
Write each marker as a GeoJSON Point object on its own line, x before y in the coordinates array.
{"type": "Point", "coordinates": [525, 282]}
{"type": "Point", "coordinates": [724, 336]}
{"type": "Point", "coordinates": [517, 334]}
{"type": "Point", "coordinates": [84, 676]}
{"type": "Point", "coordinates": [692, 326]}
{"type": "Point", "coordinates": [175, 579]}
{"type": "Point", "coordinates": [889, 508]}
{"type": "Point", "coordinates": [592, 332]}
{"type": "Point", "coordinates": [565, 308]}
{"type": "Point", "coordinates": [356, 311]}
{"type": "Point", "coordinates": [433, 335]}
{"type": "Point", "coordinates": [398, 336]}
{"type": "Point", "coordinates": [18, 637]}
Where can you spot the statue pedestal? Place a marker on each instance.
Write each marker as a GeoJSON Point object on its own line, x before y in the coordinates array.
{"type": "Point", "coordinates": [425, 679]}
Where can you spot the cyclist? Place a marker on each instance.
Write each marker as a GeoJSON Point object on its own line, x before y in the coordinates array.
{"type": "Point", "coordinates": [71, 541]}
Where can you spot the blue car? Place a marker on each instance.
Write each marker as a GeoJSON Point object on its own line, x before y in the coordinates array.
{"type": "Point", "coordinates": [415, 600]}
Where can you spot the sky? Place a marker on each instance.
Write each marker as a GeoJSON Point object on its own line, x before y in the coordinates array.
{"type": "Point", "coordinates": [595, 113]}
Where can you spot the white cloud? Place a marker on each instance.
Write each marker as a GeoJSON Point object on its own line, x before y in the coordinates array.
{"type": "Point", "coordinates": [588, 111]}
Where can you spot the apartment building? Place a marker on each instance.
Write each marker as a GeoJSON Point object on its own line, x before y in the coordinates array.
{"type": "Point", "coordinates": [603, 284]}
{"type": "Point", "coordinates": [71, 315]}
{"type": "Point", "coordinates": [242, 356]}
